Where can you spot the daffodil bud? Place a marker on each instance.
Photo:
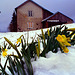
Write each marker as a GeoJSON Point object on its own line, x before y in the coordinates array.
{"type": "Point", "coordinates": [48, 32]}
{"type": "Point", "coordinates": [71, 29]}
{"type": "Point", "coordinates": [43, 34]}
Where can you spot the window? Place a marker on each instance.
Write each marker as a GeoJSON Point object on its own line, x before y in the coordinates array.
{"type": "Point", "coordinates": [30, 25]}
{"type": "Point", "coordinates": [30, 13]}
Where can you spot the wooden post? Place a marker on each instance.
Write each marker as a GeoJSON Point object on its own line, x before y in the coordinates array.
{"type": "Point", "coordinates": [46, 24]}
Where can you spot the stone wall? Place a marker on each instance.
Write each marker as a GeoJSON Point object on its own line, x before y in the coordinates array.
{"type": "Point", "coordinates": [23, 18]}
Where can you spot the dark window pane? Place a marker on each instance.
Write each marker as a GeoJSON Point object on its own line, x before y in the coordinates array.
{"type": "Point", "coordinates": [29, 13]}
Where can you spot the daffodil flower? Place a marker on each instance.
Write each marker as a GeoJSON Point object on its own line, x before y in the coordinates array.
{"type": "Point", "coordinates": [60, 38]}
{"type": "Point", "coordinates": [64, 48]}
{"type": "Point", "coordinates": [63, 42]}
{"type": "Point", "coordinates": [68, 39]}
{"type": "Point", "coordinates": [18, 40]}
{"type": "Point", "coordinates": [4, 52]}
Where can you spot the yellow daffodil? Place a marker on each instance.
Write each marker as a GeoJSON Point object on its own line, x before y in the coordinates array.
{"type": "Point", "coordinates": [63, 42]}
{"type": "Point", "coordinates": [60, 38]}
{"type": "Point", "coordinates": [48, 32]}
{"type": "Point", "coordinates": [4, 52]}
{"type": "Point", "coordinates": [66, 39]}
{"type": "Point", "coordinates": [18, 40]}
{"type": "Point", "coordinates": [65, 49]}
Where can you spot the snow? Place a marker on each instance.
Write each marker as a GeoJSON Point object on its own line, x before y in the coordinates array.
{"type": "Point", "coordinates": [54, 63]}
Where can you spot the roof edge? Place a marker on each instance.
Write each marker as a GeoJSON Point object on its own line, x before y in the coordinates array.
{"type": "Point", "coordinates": [34, 3]}
{"type": "Point", "coordinates": [55, 14]}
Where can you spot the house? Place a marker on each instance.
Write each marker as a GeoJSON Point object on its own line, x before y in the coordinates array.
{"type": "Point", "coordinates": [31, 16]}
{"type": "Point", "coordinates": [56, 19]}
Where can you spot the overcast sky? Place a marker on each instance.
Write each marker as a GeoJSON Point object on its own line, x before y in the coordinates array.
{"type": "Point", "coordinates": [67, 7]}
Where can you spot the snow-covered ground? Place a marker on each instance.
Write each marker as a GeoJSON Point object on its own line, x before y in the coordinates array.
{"type": "Point", "coordinates": [54, 63]}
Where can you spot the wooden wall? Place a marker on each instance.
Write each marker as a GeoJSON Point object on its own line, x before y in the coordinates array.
{"type": "Point", "coordinates": [62, 18]}
{"type": "Point", "coordinates": [46, 14]}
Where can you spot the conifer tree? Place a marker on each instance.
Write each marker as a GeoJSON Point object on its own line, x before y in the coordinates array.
{"type": "Point", "coordinates": [13, 24]}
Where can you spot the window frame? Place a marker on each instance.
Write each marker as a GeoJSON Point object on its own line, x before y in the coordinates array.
{"type": "Point", "coordinates": [30, 13]}
{"type": "Point", "coordinates": [30, 25]}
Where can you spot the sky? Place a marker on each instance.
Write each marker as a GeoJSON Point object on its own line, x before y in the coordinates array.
{"type": "Point", "coordinates": [7, 7]}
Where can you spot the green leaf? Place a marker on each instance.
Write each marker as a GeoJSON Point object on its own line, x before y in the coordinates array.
{"type": "Point", "coordinates": [37, 51]}
{"type": "Point", "coordinates": [5, 63]}
{"type": "Point", "coordinates": [10, 69]}
{"type": "Point", "coordinates": [12, 64]}
{"type": "Point", "coordinates": [3, 70]}
{"type": "Point", "coordinates": [0, 49]}
{"type": "Point", "coordinates": [20, 67]}
{"type": "Point", "coordinates": [29, 66]}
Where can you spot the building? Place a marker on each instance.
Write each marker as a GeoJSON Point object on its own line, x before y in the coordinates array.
{"type": "Point", "coordinates": [56, 19]}
{"type": "Point", "coordinates": [31, 16]}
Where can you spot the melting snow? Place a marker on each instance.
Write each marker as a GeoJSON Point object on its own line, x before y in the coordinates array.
{"type": "Point", "coordinates": [54, 63]}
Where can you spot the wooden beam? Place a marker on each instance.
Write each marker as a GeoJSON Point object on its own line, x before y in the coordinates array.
{"type": "Point", "coordinates": [46, 24]}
